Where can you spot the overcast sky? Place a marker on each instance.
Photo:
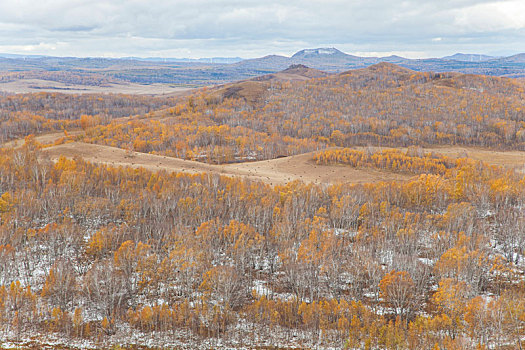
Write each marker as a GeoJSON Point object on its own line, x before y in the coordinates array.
{"type": "Point", "coordinates": [253, 28]}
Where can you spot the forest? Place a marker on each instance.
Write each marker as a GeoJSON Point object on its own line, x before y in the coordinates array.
{"type": "Point", "coordinates": [383, 105]}
{"type": "Point", "coordinates": [35, 113]}
{"type": "Point", "coordinates": [94, 255]}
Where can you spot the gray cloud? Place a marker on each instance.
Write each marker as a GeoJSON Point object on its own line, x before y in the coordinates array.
{"type": "Point", "coordinates": [252, 28]}
{"type": "Point", "coordinates": [74, 29]}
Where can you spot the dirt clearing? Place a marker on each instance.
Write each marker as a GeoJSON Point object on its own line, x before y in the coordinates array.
{"type": "Point", "coordinates": [274, 172]}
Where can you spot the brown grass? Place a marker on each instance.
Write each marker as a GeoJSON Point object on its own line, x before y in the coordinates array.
{"type": "Point", "coordinates": [274, 172]}
{"type": "Point", "coordinates": [508, 159]}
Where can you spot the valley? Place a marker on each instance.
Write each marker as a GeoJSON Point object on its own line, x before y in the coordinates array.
{"type": "Point", "coordinates": [375, 208]}
{"type": "Point", "coordinates": [247, 175]}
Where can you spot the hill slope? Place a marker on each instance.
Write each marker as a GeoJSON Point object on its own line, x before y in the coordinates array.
{"type": "Point", "coordinates": [290, 113]}
{"type": "Point", "coordinates": [469, 57]}
{"type": "Point", "coordinates": [253, 89]}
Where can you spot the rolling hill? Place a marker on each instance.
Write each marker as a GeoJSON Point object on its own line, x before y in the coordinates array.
{"type": "Point", "coordinates": [291, 210]}
{"type": "Point", "coordinates": [208, 72]}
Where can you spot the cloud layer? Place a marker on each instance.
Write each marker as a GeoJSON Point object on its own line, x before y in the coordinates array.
{"type": "Point", "coordinates": [249, 28]}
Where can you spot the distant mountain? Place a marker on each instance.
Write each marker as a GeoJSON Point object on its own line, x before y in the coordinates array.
{"type": "Point", "coordinates": [12, 55]}
{"type": "Point", "coordinates": [326, 59]}
{"type": "Point", "coordinates": [218, 60]}
{"type": "Point", "coordinates": [218, 71]}
{"type": "Point", "coordinates": [469, 57]}
{"type": "Point", "coordinates": [519, 58]}
{"type": "Point", "coordinates": [320, 52]}
{"type": "Point", "coordinates": [393, 59]}
{"type": "Point", "coordinates": [335, 61]}
{"type": "Point", "coordinates": [329, 59]}
{"type": "Point", "coordinates": [266, 64]}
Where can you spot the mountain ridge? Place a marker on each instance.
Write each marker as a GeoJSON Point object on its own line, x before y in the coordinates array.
{"type": "Point", "coordinates": [204, 73]}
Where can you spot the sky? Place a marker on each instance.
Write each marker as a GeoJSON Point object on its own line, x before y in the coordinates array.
{"type": "Point", "coordinates": [254, 28]}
